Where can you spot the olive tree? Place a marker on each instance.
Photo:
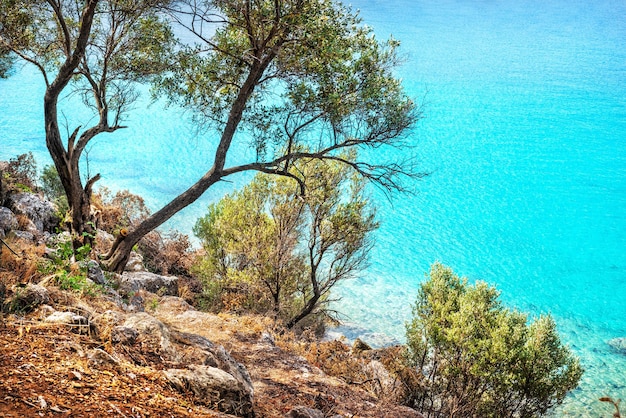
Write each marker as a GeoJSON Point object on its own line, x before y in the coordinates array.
{"type": "Point", "coordinates": [476, 358]}
{"type": "Point", "coordinates": [96, 50]}
{"type": "Point", "coordinates": [282, 251]}
{"type": "Point", "coordinates": [289, 79]}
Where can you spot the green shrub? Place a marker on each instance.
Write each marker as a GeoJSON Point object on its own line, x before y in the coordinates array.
{"type": "Point", "coordinates": [476, 358]}
{"type": "Point", "coordinates": [20, 174]}
{"type": "Point", "coordinates": [270, 249]}
{"type": "Point", "coordinates": [53, 189]}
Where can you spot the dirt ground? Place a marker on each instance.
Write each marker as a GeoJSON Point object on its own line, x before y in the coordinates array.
{"type": "Point", "coordinates": [44, 371]}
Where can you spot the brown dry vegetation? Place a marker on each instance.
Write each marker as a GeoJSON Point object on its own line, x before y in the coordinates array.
{"type": "Point", "coordinates": [44, 369]}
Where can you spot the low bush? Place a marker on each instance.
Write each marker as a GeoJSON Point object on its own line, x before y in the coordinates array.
{"type": "Point", "coordinates": [19, 174]}
{"type": "Point", "coordinates": [476, 358]}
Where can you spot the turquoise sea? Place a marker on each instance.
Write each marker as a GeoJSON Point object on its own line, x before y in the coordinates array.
{"type": "Point", "coordinates": [524, 134]}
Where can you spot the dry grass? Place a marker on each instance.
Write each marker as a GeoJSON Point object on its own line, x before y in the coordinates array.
{"type": "Point", "coordinates": [20, 263]}
{"type": "Point", "coordinates": [45, 372]}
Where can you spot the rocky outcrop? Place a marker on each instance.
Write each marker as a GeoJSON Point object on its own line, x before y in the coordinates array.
{"type": "Point", "coordinates": [8, 221]}
{"type": "Point", "coordinates": [388, 387]}
{"type": "Point", "coordinates": [36, 208]}
{"type": "Point", "coordinates": [206, 369]}
{"type": "Point", "coordinates": [132, 282]}
{"type": "Point", "coordinates": [213, 387]}
{"type": "Point", "coordinates": [95, 273]}
{"type": "Point", "coordinates": [209, 354]}
{"type": "Point", "coordinates": [152, 335]}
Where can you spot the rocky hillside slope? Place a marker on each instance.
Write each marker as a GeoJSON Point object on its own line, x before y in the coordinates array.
{"type": "Point", "coordinates": [128, 346]}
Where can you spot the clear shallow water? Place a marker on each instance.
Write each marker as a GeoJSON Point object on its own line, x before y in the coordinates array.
{"type": "Point", "coordinates": [525, 135]}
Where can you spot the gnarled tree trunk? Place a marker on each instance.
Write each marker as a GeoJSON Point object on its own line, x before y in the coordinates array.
{"type": "Point", "coordinates": [66, 160]}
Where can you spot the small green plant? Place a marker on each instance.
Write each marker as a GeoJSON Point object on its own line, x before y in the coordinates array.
{"type": "Point", "coordinates": [68, 281]}
{"type": "Point", "coordinates": [69, 268]}
{"type": "Point", "coordinates": [153, 303]}
{"type": "Point", "coordinates": [23, 188]}
{"type": "Point", "coordinates": [16, 303]}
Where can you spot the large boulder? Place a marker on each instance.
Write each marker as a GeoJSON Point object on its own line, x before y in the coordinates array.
{"type": "Point", "coordinates": [133, 282]}
{"type": "Point", "coordinates": [389, 387]}
{"type": "Point", "coordinates": [42, 212]}
{"type": "Point", "coordinates": [8, 220]}
{"type": "Point", "coordinates": [207, 353]}
{"type": "Point", "coordinates": [212, 386]}
{"type": "Point", "coordinates": [151, 334]}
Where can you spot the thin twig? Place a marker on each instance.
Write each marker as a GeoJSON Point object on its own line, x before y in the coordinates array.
{"type": "Point", "coordinates": [7, 245]}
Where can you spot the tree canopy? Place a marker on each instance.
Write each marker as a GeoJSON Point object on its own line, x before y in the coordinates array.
{"type": "Point", "coordinates": [96, 50]}
{"type": "Point", "coordinates": [292, 79]}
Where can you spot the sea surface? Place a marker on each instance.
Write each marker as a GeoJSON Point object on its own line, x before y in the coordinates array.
{"type": "Point", "coordinates": [524, 137]}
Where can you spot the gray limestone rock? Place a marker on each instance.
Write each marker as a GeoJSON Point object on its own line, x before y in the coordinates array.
{"type": "Point", "coordinates": [68, 318]}
{"type": "Point", "coordinates": [132, 282]}
{"type": "Point", "coordinates": [213, 386]}
{"type": "Point", "coordinates": [153, 335]}
{"type": "Point", "coordinates": [8, 220]}
{"type": "Point", "coordinates": [76, 322]}
{"type": "Point", "coordinates": [22, 235]}
{"type": "Point", "coordinates": [207, 353]}
{"type": "Point", "coordinates": [39, 210]}
{"type": "Point", "coordinates": [304, 412]}
{"type": "Point", "coordinates": [95, 273]}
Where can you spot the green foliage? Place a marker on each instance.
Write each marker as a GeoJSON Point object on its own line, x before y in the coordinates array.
{"type": "Point", "coordinates": [130, 41]}
{"type": "Point", "coordinates": [313, 78]}
{"type": "Point", "coordinates": [53, 189]}
{"type": "Point", "coordinates": [21, 173]}
{"type": "Point", "coordinates": [478, 359]}
{"type": "Point", "coordinates": [68, 268]}
{"type": "Point", "coordinates": [271, 249]}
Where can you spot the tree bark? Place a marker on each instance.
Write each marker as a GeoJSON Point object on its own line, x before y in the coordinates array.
{"type": "Point", "coordinates": [311, 303]}
{"type": "Point", "coordinates": [66, 163]}
{"type": "Point", "coordinates": [117, 257]}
